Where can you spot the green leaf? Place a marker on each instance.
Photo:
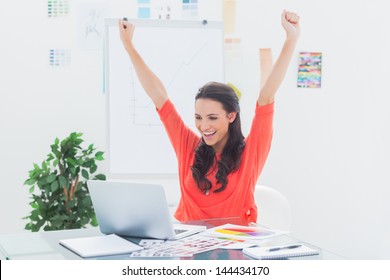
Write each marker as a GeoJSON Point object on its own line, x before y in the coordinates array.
{"type": "Point", "coordinates": [42, 181]}
{"type": "Point", "coordinates": [35, 215]}
{"type": "Point", "coordinates": [49, 157]}
{"type": "Point", "coordinates": [39, 224]}
{"type": "Point", "coordinates": [31, 190]}
{"type": "Point", "coordinates": [62, 180]}
{"type": "Point", "coordinates": [100, 177]}
{"type": "Point", "coordinates": [72, 203]}
{"type": "Point", "coordinates": [85, 174]}
{"type": "Point", "coordinates": [39, 202]}
{"type": "Point", "coordinates": [47, 228]}
{"type": "Point", "coordinates": [88, 163]}
{"type": "Point", "coordinates": [94, 221]}
{"type": "Point", "coordinates": [54, 186]}
{"type": "Point", "coordinates": [50, 179]}
{"type": "Point", "coordinates": [75, 135]}
{"type": "Point", "coordinates": [80, 161]}
{"type": "Point", "coordinates": [30, 182]}
{"type": "Point", "coordinates": [87, 202]}
{"type": "Point", "coordinates": [99, 155]}
{"type": "Point", "coordinates": [47, 190]}
{"type": "Point", "coordinates": [34, 205]}
{"type": "Point", "coordinates": [64, 142]}
{"type": "Point", "coordinates": [84, 220]}
{"type": "Point", "coordinates": [54, 149]}
{"type": "Point", "coordinates": [71, 162]}
{"type": "Point", "coordinates": [93, 168]}
{"type": "Point", "coordinates": [73, 171]}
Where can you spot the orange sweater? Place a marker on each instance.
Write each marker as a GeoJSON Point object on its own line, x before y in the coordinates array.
{"type": "Point", "coordinates": [237, 200]}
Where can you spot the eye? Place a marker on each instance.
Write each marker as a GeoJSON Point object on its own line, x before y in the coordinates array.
{"type": "Point", "coordinates": [198, 118]}
{"type": "Point", "coordinates": [213, 118]}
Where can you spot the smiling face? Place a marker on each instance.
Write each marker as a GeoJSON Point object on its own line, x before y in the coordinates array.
{"type": "Point", "coordinates": [213, 122]}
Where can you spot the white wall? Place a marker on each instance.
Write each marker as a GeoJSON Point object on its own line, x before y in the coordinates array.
{"type": "Point", "coordinates": [329, 155]}
{"type": "Point", "coordinates": [39, 102]}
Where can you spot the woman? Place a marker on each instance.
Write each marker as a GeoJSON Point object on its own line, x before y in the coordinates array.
{"type": "Point", "coordinates": [219, 170]}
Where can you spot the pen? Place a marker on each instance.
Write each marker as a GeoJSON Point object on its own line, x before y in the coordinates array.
{"type": "Point", "coordinates": [284, 248]}
{"type": "Point", "coordinates": [125, 19]}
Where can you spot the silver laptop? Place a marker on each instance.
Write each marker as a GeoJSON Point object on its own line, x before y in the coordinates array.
{"type": "Point", "coordinates": [135, 209]}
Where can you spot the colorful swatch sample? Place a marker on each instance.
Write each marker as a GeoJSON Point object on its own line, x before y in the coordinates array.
{"type": "Point", "coordinates": [190, 8]}
{"type": "Point", "coordinates": [265, 63]}
{"type": "Point", "coordinates": [309, 69]}
{"type": "Point", "coordinates": [244, 232]}
{"type": "Point", "coordinates": [229, 16]}
{"type": "Point", "coordinates": [57, 8]}
{"type": "Point", "coordinates": [59, 57]}
{"type": "Point", "coordinates": [143, 12]}
{"type": "Point", "coordinates": [144, 9]}
{"type": "Point", "coordinates": [232, 49]}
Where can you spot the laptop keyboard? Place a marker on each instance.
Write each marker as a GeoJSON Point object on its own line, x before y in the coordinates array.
{"type": "Point", "coordinates": [178, 231]}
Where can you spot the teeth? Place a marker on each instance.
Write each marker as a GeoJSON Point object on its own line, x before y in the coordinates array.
{"type": "Point", "coordinates": [208, 133]}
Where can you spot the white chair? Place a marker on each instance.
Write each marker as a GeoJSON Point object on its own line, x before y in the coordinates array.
{"type": "Point", "coordinates": [273, 208]}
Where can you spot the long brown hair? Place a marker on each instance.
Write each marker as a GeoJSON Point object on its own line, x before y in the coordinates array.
{"type": "Point", "coordinates": [232, 152]}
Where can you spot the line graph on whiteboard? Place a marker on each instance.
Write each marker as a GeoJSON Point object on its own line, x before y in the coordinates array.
{"type": "Point", "coordinates": [182, 67]}
{"type": "Point", "coordinates": [183, 70]}
{"type": "Point", "coordinates": [184, 59]}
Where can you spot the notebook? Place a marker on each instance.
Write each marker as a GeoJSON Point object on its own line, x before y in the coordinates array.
{"type": "Point", "coordinates": [279, 252]}
{"type": "Point", "coordinates": [136, 210]}
{"type": "Point", "coordinates": [96, 246]}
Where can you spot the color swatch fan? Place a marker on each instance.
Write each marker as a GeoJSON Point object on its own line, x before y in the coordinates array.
{"type": "Point", "coordinates": [243, 232]}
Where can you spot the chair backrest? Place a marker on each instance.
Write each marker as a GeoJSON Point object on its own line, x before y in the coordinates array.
{"type": "Point", "coordinates": [273, 208]}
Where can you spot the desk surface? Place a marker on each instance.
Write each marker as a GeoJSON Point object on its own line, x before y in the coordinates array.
{"type": "Point", "coordinates": [45, 246]}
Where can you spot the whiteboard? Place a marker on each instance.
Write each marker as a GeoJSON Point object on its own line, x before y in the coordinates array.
{"type": "Point", "coordinates": [185, 55]}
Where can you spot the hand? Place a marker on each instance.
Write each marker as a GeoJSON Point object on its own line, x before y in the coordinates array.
{"type": "Point", "coordinates": [126, 30]}
{"type": "Point", "coordinates": [290, 23]}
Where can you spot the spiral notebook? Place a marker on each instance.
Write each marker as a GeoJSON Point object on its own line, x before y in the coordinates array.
{"type": "Point", "coordinates": [281, 252]}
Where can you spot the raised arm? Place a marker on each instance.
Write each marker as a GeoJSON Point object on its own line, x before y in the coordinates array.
{"type": "Point", "coordinates": [290, 23]}
{"type": "Point", "coordinates": [149, 81]}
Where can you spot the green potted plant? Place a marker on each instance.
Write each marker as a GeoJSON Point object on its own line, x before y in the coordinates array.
{"type": "Point", "coordinates": [60, 197]}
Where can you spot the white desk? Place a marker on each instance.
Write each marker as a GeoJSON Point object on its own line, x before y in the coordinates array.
{"type": "Point", "coordinates": [45, 246]}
